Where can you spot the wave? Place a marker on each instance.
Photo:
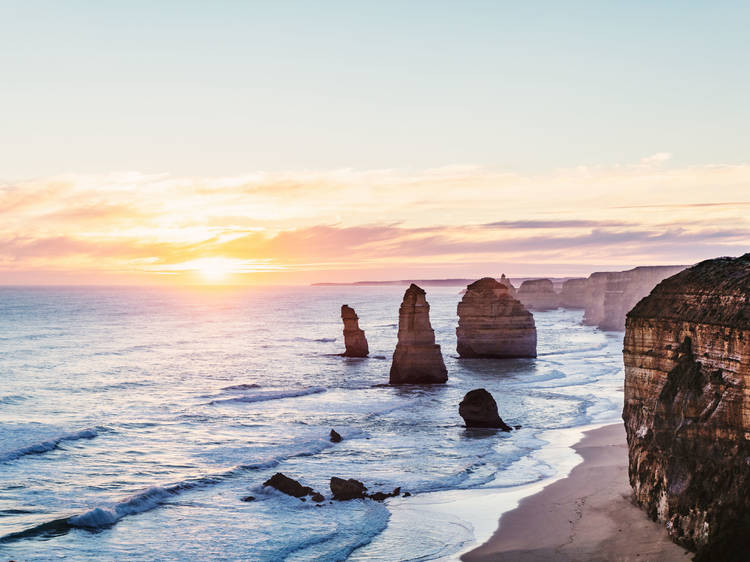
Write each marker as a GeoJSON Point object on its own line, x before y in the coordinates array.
{"type": "Point", "coordinates": [108, 515]}
{"type": "Point", "coordinates": [319, 340]}
{"type": "Point", "coordinates": [269, 395]}
{"type": "Point", "coordinates": [12, 398]}
{"type": "Point", "coordinates": [241, 387]}
{"type": "Point", "coordinates": [50, 445]}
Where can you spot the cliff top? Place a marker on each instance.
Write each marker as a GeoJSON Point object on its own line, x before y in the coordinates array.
{"type": "Point", "coordinates": [714, 291]}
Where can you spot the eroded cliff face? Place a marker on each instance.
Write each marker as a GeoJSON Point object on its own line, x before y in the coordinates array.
{"type": "Point", "coordinates": [687, 406]}
{"type": "Point", "coordinates": [573, 293]}
{"type": "Point", "coordinates": [491, 323]}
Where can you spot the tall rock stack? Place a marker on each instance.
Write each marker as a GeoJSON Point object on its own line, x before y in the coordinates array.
{"type": "Point", "coordinates": [417, 358]}
{"type": "Point", "coordinates": [538, 294]}
{"type": "Point", "coordinates": [505, 281]}
{"type": "Point", "coordinates": [491, 323]}
{"type": "Point", "coordinates": [687, 406]}
{"type": "Point", "coordinates": [354, 338]}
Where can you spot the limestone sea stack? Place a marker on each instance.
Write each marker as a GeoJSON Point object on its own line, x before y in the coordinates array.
{"type": "Point", "coordinates": [687, 406]}
{"type": "Point", "coordinates": [354, 338]}
{"type": "Point", "coordinates": [538, 294]}
{"type": "Point", "coordinates": [505, 281]}
{"type": "Point", "coordinates": [417, 358]}
{"type": "Point", "coordinates": [573, 293]}
{"type": "Point", "coordinates": [491, 323]}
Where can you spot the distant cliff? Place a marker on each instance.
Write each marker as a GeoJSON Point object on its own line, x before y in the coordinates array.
{"type": "Point", "coordinates": [687, 406]}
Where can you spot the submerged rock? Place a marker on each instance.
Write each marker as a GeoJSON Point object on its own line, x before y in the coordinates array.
{"type": "Point", "coordinates": [335, 436]}
{"type": "Point", "coordinates": [491, 323]}
{"type": "Point", "coordinates": [479, 409]}
{"type": "Point", "coordinates": [687, 390]}
{"type": "Point", "coordinates": [288, 485]}
{"type": "Point", "coordinates": [354, 338]}
{"type": "Point", "coordinates": [247, 498]}
{"type": "Point", "coordinates": [344, 490]}
{"type": "Point", "coordinates": [417, 358]}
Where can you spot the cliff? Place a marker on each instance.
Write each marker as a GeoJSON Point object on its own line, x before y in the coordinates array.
{"type": "Point", "coordinates": [687, 406]}
{"type": "Point", "coordinates": [491, 323]}
{"type": "Point", "coordinates": [417, 358]}
{"type": "Point", "coordinates": [538, 294]}
{"type": "Point", "coordinates": [610, 295]}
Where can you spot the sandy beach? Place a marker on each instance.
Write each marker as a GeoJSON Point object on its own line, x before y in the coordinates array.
{"type": "Point", "coordinates": [586, 516]}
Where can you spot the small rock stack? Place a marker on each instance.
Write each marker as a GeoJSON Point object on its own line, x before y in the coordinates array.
{"type": "Point", "coordinates": [354, 338]}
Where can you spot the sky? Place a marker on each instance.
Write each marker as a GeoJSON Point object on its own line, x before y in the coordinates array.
{"type": "Point", "coordinates": [297, 142]}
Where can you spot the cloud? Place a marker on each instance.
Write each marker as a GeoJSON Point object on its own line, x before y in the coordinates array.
{"type": "Point", "coordinates": [657, 158]}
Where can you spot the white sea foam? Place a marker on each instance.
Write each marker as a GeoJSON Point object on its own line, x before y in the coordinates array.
{"type": "Point", "coordinates": [266, 395]}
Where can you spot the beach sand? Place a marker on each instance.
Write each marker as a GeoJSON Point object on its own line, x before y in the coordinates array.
{"type": "Point", "coordinates": [586, 516]}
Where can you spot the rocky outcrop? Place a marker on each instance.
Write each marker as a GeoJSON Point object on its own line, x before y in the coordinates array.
{"type": "Point", "coordinates": [335, 436]}
{"type": "Point", "coordinates": [354, 338]}
{"type": "Point", "coordinates": [687, 406]}
{"type": "Point", "coordinates": [491, 323]}
{"type": "Point", "coordinates": [610, 295]}
{"type": "Point", "coordinates": [573, 293]}
{"type": "Point", "coordinates": [538, 294]}
{"type": "Point", "coordinates": [417, 358]}
{"type": "Point", "coordinates": [479, 409]}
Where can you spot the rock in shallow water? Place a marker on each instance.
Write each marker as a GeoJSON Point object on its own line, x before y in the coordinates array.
{"type": "Point", "coordinates": [347, 489]}
{"type": "Point", "coordinates": [335, 436]}
{"type": "Point", "coordinates": [479, 409]}
{"type": "Point", "coordinates": [687, 406]}
{"type": "Point", "coordinates": [491, 323]}
{"type": "Point", "coordinates": [288, 485]}
{"type": "Point", "coordinates": [417, 358]}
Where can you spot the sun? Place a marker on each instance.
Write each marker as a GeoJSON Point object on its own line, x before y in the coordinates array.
{"type": "Point", "coordinates": [214, 270]}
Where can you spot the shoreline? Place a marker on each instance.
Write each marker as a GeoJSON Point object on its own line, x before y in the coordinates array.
{"type": "Point", "coordinates": [586, 515]}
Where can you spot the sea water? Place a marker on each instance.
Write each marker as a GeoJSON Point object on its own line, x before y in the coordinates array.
{"type": "Point", "coordinates": [134, 420]}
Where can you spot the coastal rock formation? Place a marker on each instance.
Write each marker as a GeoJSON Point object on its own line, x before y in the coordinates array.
{"type": "Point", "coordinates": [573, 293]}
{"type": "Point", "coordinates": [354, 338]}
{"type": "Point", "coordinates": [610, 295]}
{"type": "Point", "coordinates": [350, 489]}
{"type": "Point", "coordinates": [479, 409]}
{"type": "Point", "coordinates": [491, 323]}
{"type": "Point", "coordinates": [505, 281]}
{"type": "Point", "coordinates": [417, 358]}
{"type": "Point", "coordinates": [335, 436]}
{"type": "Point", "coordinates": [538, 294]}
{"type": "Point", "coordinates": [687, 406]}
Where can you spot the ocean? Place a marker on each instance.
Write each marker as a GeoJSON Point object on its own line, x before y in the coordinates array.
{"type": "Point", "coordinates": [134, 420]}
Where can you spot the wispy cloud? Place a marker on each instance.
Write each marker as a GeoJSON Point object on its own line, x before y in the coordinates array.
{"type": "Point", "coordinates": [345, 219]}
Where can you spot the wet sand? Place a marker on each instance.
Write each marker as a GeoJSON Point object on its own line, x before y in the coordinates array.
{"type": "Point", "coordinates": [586, 516]}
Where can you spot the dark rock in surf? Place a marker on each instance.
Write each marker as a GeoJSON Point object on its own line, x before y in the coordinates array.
{"type": "Point", "coordinates": [479, 409]}
{"type": "Point", "coordinates": [248, 499]}
{"type": "Point", "coordinates": [335, 436]}
{"type": "Point", "coordinates": [317, 497]}
{"type": "Point", "coordinates": [347, 489]}
{"type": "Point", "coordinates": [288, 485]}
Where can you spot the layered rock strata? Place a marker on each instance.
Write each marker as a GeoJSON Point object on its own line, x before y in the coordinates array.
{"type": "Point", "coordinates": [354, 338]}
{"type": "Point", "coordinates": [687, 406]}
{"type": "Point", "coordinates": [479, 409]}
{"type": "Point", "coordinates": [417, 358]}
{"type": "Point", "coordinates": [538, 294]}
{"type": "Point", "coordinates": [491, 323]}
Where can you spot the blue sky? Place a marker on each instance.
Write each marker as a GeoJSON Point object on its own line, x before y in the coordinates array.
{"type": "Point", "coordinates": [223, 88]}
